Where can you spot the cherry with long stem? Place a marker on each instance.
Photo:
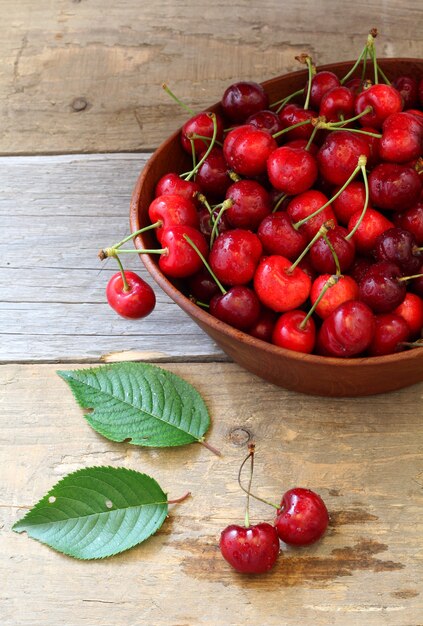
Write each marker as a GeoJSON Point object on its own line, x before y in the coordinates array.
{"type": "Point", "coordinates": [251, 451]}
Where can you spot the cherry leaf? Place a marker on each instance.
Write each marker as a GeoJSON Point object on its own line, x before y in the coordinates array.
{"type": "Point", "coordinates": [97, 512]}
{"type": "Point", "coordinates": [139, 402]}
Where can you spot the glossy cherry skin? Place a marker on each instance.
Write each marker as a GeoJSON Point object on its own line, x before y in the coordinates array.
{"type": "Point", "coordinates": [247, 149]}
{"type": "Point", "coordinates": [394, 187]}
{"type": "Point", "coordinates": [288, 333]}
{"type": "Point", "coordinates": [371, 226]}
{"type": "Point", "coordinates": [263, 327]}
{"type": "Point", "coordinates": [390, 331]}
{"type": "Point", "coordinates": [266, 120]}
{"type": "Point", "coordinates": [293, 114]}
{"type": "Point", "coordinates": [349, 201]}
{"type": "Point", "coordinates": [252, 550]}
{"type": "Point", "coordinates": [172, 183]}
{"type": "Point", "coordinates": [291, 170]}
{"type": "Point", "coordinates": [139, 301]}
{"type": "Point", "coordinates": [302, 518]}
{"type": "Point", "coordinates": [402, 137]}
{"type": "Point", "coordinates": [170, 210]}
{"type": "Point", "coordinates": [181, 260]}
{"type": "Point", "coordinates": [343, 290]}
{"type": "Point", "coordinates": [277, 287]}
{"type": "Point", "coordinates": [321, 83]}
{"type": "Point", "coordinates": [337, 102]}
{"type": "Point", "coordinates": [338, 156]}
{"type": "Point", "coordinates": [348, 331]}
{"type": "Point", "coordinates": [234, 256]}
{"type": "Point", "coordinates": [411, 310]}
{"type": "Point", "coordinates": [239, 307]}
{"type": "Point", "coordinates": [412, 220]}
{"type": "Point", "coordinates": [201, 286]}
{"type": "Point", "coordinates": [407, 88]}
{"type": "Point", "coordinates": [380, 288]}
{"type": "Point", "coordinates": [200, 124]}
{"type": "Point", "coordinates": [278, 236]}
{"type": "Point", "coordinates": [321, 255]}
{"type": "Point", "coordinates": [304, 205]}
{"type": "Point", "coordinates": [383, 99]}
{"type": "Point", "coordinates": [242, 99]}
{"type": "Point", "coordinates": [207, 222]}
{"type": "Point", "coordinates": [250, 204]}
{"type": "Point", "coordinates": [212, 175]}
{"type": "Point", "coordinates": [398, 246]}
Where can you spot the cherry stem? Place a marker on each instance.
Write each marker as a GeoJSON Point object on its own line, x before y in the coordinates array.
{"type": "Point", "coordinates": [202, 441]}
{"type": "Point", "coordinates": [402, 278]}
{"type": "Point", "coordinates": [122, 271]}
{"type": "Point", "coordinates": [215, 230]}
{"type": "Point", "coordinates": [286, 130]}
{"type": "Point", "coordinates": [138, 232]}
{"type": "Point", "coordinates": [312, 136]}
{"type": "Point", "coordinates": [193, 154]}
{"type": "Point", "coordinates": [362, 160]}
{"type": "Point", "coordinates": [248, 492]}
{"type": "Point", "coordinates": [250, 481]}
{"type": "Point", "coordinates": [279, 202]}
{"type": "Point", "coordinates": [309, 64]}
{"type": "Point", "coordinates": [328, 284]}
{"type": "Point", "coordinates": [202, 198]}
{"type": "Point", "coordinates": [112, 251]}
{"type": "Point", "coordinates": [322, 231]}
{"type": "Point", "coordinates": [205, 139]}
{"type": "Point", "coordinates": [354, 67]}
{"type": "Point", "coordinates": [363, 71]}
{"type": "Point", "coordinates": [340, 124]}
{"type": "Point", "coordinates": [366, 204]}
{"type": "Point", "coordinates": [172, 95]}
{"type": "Point", "coordinates": [285, 101]}
{"type": "Point", "coordinates": [181, 499]}
{"type": "Point", "coordinates": [217, 281]}
{"type": "Point", "coordinates": [207, 152]}
{"type": "Point", "coordinates": [335, 256]}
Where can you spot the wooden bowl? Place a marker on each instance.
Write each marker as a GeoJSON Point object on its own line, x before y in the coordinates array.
{"type": "Point", "coordinates": [305, 373]}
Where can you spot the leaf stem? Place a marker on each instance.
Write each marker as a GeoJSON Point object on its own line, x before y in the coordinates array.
{"type": "Point", "coordinates": [208, 445]}
{"type": "Point", "coordinates": [180, 499]}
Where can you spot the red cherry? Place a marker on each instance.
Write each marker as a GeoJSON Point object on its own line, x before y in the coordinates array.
{"type": "Point", "coordinates": [303, 143]}
{"type": "Point", "coordinates": [200, 124]}
{"type": "Point", "coordinates": [412, 220]}
{"type": "Point", "coordinates": [348, 331]}
{"type": "Point", "coordinates": [247, 149]}
{"type": "Point", "coordinates": [394, 187]}
{"type": "Point", "coordinates": [180, 259]}
{"type": "Point", "coordinates": [302, 518]}
{"type": "Point", "coordinates": [278, 236]}
{"type": "Point", "coordinates": [321, 83]}
{"type": "Point", "coordinates": [411, 310]}
{"type": "Point", "coordinates": [343, 290]}
{"type": "Point", "coordinates": [251, 550]}
{"type": "Point", "coordinates": [390, 331]}
{"type": "Point", "coordinates": [263, 328]}
{"type": "Point", "coordinates": [383, 100]}
{"type": "Point", "coordinates": [398, 246]}
{"type": "Point", "coordinates": [402, 137]}
{"type": "Point", "coordinates": [201, 286]}
{"type": "Point", "coordinates": [303, 205]}
{"type": "Point", "coordinates": [416, 285]}
{"type": "Point", "coordinates": [321, 256]}
{"type": "Point", "coordinates": [266, 120]}
{"type": "Point", "coordinates": [293, 114]}
{"type": "Point", "coordinates": [337, 102]}
{"type": "Point", "coordinates": [291, 170]}
{"type": "Point", "coordinates": [207, 221]}
{"type": "Point", "coordinates": [250, 204]}
{"type": "Point", "coordinates": [380, 288]}
{"type": "Point", "coordinates": [349, 201]}
{"type": "Point", "coordinates": [407, 88]}
{"type": "Point", "coordinates": [137, 302]}
{"type": "Point", "coordinates": [338, 156]}
{"type": "Point", "coordinates": [372, 225]}
{"type": "Point", "coordinates": [242, 99]}
{"type": "Point", "coordinates": [234, 256]}
{"type": "Point", "coordinates": [277, 287]}
{"type": "Point", "coordinates": [172, 209]}
{"type": "Point", "coordinates": [289, 334]}
{"type": "Point", "coordinates": [173, 184]}
{"type": "Point", "coordinates": [212, 175]}
{"type": "Point", "coordinates": [239, 307]}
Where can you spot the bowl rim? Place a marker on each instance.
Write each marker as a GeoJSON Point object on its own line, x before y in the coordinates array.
{"type": "Point", "coordinates": [205, 318]}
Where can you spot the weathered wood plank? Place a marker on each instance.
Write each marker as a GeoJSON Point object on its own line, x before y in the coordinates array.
{"type": "Point", "coordinates": [55, 214]}
{"type": "Point", "coordinates": [82, 76]}
{"type": "Point", "coordinates": [365, 458]}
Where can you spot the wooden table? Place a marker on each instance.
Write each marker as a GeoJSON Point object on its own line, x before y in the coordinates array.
{"type": "Point", "coordinates": [81, 107]}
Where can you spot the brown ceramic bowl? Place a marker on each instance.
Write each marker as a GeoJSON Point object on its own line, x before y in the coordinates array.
{"type": "Point", "coordinates": [300, 372]}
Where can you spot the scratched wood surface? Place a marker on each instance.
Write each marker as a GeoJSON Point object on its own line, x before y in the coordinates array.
{"type": "Point", "coordinates": [364, 457]}
{"type": "Point", "coordinates": [85, 76]}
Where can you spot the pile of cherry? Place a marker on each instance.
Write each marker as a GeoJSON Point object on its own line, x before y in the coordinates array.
{"type": "Point", "coordinates": [301, 221]}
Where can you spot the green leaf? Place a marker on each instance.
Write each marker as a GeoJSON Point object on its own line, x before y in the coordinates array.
{"type": "Point", "coordinates": [140, 402]}
{"type": "Point", "coordinates": [97, 512]}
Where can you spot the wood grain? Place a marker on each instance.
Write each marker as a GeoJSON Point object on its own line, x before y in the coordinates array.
{"type": "Point", "coordinates": [364, 458]}
{"type": "Point", "coordinates": [80, 76]}
{"type": "Point", "coordinates": [56, 213]}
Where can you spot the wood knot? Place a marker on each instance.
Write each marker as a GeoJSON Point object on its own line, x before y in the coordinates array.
{"type": "Point", "coordinates": [79, 104]}
{"type": "Point", "coordinates": [240, 436]}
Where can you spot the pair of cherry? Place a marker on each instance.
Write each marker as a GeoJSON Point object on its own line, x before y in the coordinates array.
{"type": "Point", "coordinates": [301, 519]}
